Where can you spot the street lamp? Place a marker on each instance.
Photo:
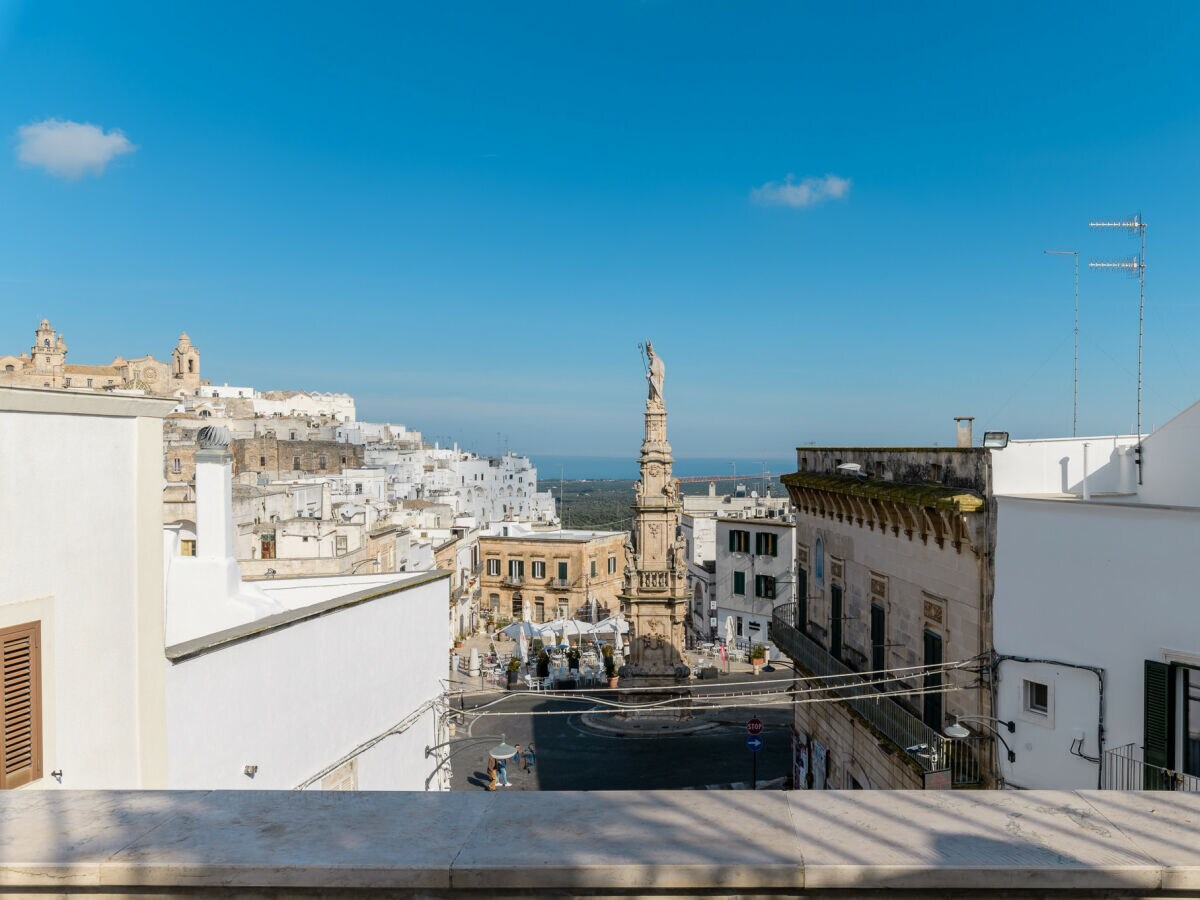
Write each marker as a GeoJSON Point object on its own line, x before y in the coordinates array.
{"type": "Point", "coordinates": [958, 732]}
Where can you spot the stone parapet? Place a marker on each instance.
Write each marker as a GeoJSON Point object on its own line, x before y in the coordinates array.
{"type": "Point", "coordinates": [647, 844]}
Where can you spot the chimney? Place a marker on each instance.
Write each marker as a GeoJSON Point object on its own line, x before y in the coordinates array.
{"type": "Point", "coordinates": [963, 427]}
{"type": "Point", "coordinates": [214, 493]}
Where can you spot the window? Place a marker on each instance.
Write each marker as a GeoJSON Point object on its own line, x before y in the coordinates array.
{"type": "Point", "coordinates": [21, 713]}
{"type": "Point", "coordinates": [836, 620]}
{"type": "Point", "coordinates": [935, 472]}
{"type": "Point", "coordinates": [191, 366]}
{"type": "Point", "coordinates": [932, 705]}
{"type": "Point", "coordinates": [176, 465]}
{"type": "Point", "coordinates": [518, 607]}
{"type": "Point", "coordinates": [1037, 698]}
{"type": "Point", "coordinates": [343, 460]}
{"type": "Point", "coordinates": [89, 382]}
{"type": "Point", "coordinates": [563, 607]}
{"type": "Point", "coordinates": [878, 640]}
{"type": "Point", "coordinates": [494, 599]}
{"type": "Point", "coordinates": [739, 626]}
{"type": "Point", "coordinates": [321, 461]}
{"type": "Point", "coordinates": [539, 569]}
{"type": "Point", "coordinates": [187, 547]}
{"type": "Point", "coordinates": [339, 543]}
{"type": "Point", "coordinates": [295, 462]}
{"type": "Point", "coordinates": [66, 382]}
{"type": "Point", "coordinates": [739, 541]}
{"type": "Point", "coordinates": [612, 565]}
{"type": "Point", "coordinates": [516, 569]}
{"type": "Point", "coordinates": [739, 583]}
{"type": "Point", "coordinates": [562, 571]}
{"type": "Point", "coordinates": [764, 586]}
{"type": "Point", "coordinates": [766, 543]}
{"type": "Point", "coordinates": [262, 462]}
{"type": "Point", "coordinates": [493, 567]}
{"type": "Point", "coordinates": [593, 568]}
{"type": "Point", "coordinates": [358, 487]}
{"type": "Point", "coordinates": [539, 609]}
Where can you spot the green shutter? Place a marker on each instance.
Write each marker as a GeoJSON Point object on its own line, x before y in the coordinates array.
{"type": "Point", "coordinates": [1156, 741]}
{"type": "Point", "coordinates": [739, 582]}
{"type": "Point", "coordinates": [732, 540]}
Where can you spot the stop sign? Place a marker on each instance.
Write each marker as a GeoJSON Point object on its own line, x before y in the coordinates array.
{"type": "Point", "coordinates": [754, 726]}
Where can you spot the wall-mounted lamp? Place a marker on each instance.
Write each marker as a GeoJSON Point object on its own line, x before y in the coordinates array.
{"type": "Point", "coordinates": [958, 732]}
{"type": "Point", "coordinates": [57, 775]}
{"type": "Point", "coordinates": [249, 771]}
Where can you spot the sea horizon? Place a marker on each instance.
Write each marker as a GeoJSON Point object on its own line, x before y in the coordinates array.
{"type": "Point", "coordinates": [583, 468]}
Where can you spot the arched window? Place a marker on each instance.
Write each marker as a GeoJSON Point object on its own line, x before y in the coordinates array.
{"type": "Point", "coordinates": [46, 342]}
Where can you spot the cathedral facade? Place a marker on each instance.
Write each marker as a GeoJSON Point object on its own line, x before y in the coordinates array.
{"type": "Point", "coordinates": [45, 365]}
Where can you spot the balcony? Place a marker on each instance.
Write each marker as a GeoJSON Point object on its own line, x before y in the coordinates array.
{"type": "Point", "coordinates": [927, 748]}
{"type": "Point", "coordinates": [1125, 769]}
{"type": "Point", "coordinates": [511, 580]}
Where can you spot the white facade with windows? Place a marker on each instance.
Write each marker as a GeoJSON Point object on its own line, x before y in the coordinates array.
{"type": "Point", "coordinates": [1093, 598]}
{"type": "Point", "coordinates": [754, 573]}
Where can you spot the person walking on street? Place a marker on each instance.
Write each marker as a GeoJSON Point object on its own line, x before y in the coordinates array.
{"type": "Point", "coordinates": [502, 771]}
{"type": "Point", "coordinates": [492, 771]}
{"type": "Point", "coordinates": [528, 758]}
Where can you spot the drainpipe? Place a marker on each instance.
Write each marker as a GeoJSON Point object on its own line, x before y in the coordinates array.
{"type": "Point", "coordinates": [1087, 495]}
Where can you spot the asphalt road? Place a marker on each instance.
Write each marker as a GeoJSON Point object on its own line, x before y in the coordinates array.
{"type": "Point", "coordinates": [572, 757]}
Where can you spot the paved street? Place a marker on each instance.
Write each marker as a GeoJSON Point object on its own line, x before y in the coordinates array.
{"type": "Point", "coordinates": [571, 757]}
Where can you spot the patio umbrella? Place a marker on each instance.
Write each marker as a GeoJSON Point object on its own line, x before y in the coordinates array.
{"type": "Point", "coordinates": [473, 665]}
{"type": "Point", "coordinates": [729, 630]}
{"type": "Point", "coordinates": [522, 648]}
{"type": "Point", "coordinates": [528, 613]}
{"type": "Point", "coordinates": [618, 643]}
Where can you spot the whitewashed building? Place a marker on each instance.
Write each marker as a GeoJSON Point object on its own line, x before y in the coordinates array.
{"type": "Point", "coordinates": [755, 572]}
{"type": "Point", "coordinates": [145, 668]}
{"type": "Point", "coordinates": [1097, 632]}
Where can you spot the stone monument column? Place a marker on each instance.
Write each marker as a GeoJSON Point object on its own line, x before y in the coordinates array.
{"type": "Point", "coordinates": [655, 592]}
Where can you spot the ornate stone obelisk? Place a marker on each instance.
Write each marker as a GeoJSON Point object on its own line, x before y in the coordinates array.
{"type": "Point", "coordinates": [655, 593]}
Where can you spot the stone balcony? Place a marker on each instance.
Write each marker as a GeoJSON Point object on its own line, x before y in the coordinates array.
{"type": "Point", "coordinates": [1011, 844]}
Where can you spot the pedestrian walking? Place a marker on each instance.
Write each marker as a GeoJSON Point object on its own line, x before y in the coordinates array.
{"type": "Point", "coordinates": [528, 758]}
{"type": "Point", "coordinates": [502, 772]}
{"type": "Point", "coordinates": [492, 772]}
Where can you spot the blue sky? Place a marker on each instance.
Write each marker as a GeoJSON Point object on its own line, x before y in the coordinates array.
{"type": "Point", "coordinates": [469, 214]}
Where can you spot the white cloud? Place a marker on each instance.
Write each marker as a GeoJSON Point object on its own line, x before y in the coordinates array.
{"type": "Point", "coordinates": [70, 149]}
{"type": "Point", "coordinates": [799, 194]}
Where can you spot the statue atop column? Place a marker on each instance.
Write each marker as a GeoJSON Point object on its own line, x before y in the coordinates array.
{"type": "Point", "coordinates": [655, 373]}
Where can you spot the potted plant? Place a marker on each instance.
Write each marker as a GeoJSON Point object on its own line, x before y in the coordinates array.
{"type": "Point", "coordinates": [514, 667]}
{"type": "Point", "coordinates": [610, 668]}
{"type": "Point", "coordinates": [543, 664]}
{"type": "Point", "coordinates": [758, 655]}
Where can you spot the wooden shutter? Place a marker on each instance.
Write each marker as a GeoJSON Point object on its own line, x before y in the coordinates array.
{"type": "Point", "coordinates": [1156, 733]}
{"type": "Point", "coordinates": [21, 721]}
{"type": "Point", "coordinates": [732, 541]}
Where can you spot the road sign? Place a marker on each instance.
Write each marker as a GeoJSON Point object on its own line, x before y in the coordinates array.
{"type": "Point", "coordinates": [754, 726]}
{"type": "Point", "coordinates": [754, 744]}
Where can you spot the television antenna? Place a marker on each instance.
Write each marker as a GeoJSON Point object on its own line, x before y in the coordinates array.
{"type": "Point", "coordinates": [1137, 265]}
{"type": "Point", "coordinates": [1075, 393]}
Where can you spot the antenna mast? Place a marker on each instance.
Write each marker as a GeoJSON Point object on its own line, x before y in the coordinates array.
{"type": "Point", "coordinates": [1075, 393]}
{"type": "Point", "coordinates": [1138, 264]}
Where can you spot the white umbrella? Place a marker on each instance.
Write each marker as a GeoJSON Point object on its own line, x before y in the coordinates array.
{"type": "Point", "coordinates": [729, 630]}
{"type": "Point", "coordinates": [522, 649]}
{"type": "Point", "coordinates": [473, 665]}
{"type": "Point", "coordinates": [618, 643]}
{"type": "Point", "coordinates": [528, 613]}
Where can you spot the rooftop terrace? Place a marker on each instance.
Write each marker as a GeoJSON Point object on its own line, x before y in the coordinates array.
{"type": "Point", "coordinates": [649, 844]}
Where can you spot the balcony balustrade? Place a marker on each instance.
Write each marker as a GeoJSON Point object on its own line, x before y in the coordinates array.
{"type": "Point", "coordinates": [929, 749]}
{"type": "Point", "coordinates": [1124, 769]}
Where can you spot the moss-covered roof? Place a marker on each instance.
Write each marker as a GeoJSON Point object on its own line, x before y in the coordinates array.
{"type": "Point", "coordinates": [936, 496]}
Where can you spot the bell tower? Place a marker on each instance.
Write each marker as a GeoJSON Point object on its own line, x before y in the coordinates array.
{"type": "Point", "coordinates": [185, 359]}
{"type": "Point", "coordinates": [49, 351]}
{"type": "Point", "coordinates": [655, 591]}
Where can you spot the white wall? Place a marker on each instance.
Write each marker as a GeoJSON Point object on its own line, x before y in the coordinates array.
{"type": "Point", "coordinates": [754, 611]}
{"type": "Point", "coordinates": [1100, 584]}
{"type": "Point", "coordinates": [295, 699]}
{"type": "Point", "coordinates": [1055, 466]}
{"type": "Point", "coordinates": [1170, 474]}
{"type": "Point", "coordinates": [74, 526]}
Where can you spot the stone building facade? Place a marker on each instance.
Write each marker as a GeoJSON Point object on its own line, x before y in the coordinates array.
{"type": "Point", "coordinates": [269, 455]}
{"type": "Point", "coordinates": [548, 575]}
{"type": "Point", "coordinates": [895, 553]}
{"type": "Point", "coordinates": [46, 366]}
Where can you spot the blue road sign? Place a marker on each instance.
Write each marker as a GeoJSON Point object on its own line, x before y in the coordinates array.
{"type": "Point", "coordinates": [754, 743]}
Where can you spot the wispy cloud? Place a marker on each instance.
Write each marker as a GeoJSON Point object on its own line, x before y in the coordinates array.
{"type": "Point", "coordinates": [70, 149]}
{"type": "Point", "coordinates": [801, 193]}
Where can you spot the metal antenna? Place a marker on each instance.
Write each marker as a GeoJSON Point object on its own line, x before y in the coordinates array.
{"type": "Point", "coordinates": [1075, 395]}
{"type": "Point", "coordinates": [1138, 265]}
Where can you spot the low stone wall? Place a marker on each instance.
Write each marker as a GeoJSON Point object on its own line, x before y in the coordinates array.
{"type": "Point", "coordinates": [649, 844]}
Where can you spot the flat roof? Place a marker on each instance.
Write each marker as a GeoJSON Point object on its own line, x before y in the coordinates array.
{"type": "Point", "coordinates": [306, 598]}
{"type": "Point", "coordinates": [65, 401]}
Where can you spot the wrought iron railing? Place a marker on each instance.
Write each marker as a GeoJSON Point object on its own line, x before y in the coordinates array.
{"type": "Point", "coordinates": [908, 732]}
{"type": "Point", "coordinates": [1124, 768]}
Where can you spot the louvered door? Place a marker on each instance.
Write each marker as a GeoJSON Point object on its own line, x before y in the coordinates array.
{"type": "Point", "coordinates": [21, 722]}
